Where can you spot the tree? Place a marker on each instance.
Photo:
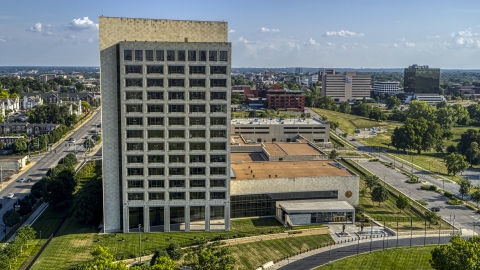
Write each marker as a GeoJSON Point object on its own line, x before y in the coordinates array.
{"type": "Point", "coordinates": [174, 251]}
{"type": "Point", "coordinates": [333, 154]}
{"type": "Point", "coordinates": [60, 187]}
{"type": "Point", "coordinates": [164, 263]}
{"type": "Point", "coordinates": [379, 194]}
{"type": "Point", "coordinates": [25, 207]}
{"type": "Point", "coordinates": [461, 254]}
{"type": "Point", "coordinates": [473, 153]}
{"type": "Point", "coordinates": [79, 87]}
{"type": "Point", "coordinates": [475, 195]}
{"type": "Point", "coordinates": [402, 202]}
{"type": "Point", "coordinates": [11, 217]}
{"type": "Point", "coordinates": [37, 188]}
{"type": "Point", "coordinates": [88, 143]}
{"type": "Point", "coordinates": [210, 257]}
{"type": "Point", "coordinates": [465, 186]}
{"type": "Point", "coordinates": [345, 107]}
{"type": "Point", "coordinates": [361, 109]}
{"type": "Point", "coordinates": [103, 260]}
{"type": "Point", "coordinates": [456, 163]}
{"type": "Point", "coordinates": [372, 181]}
{"type": "Point", "coordinates": [431, 217]}
{"type": "Point", "coordinates": [419, 135]}
{"type": "Point", "coordinates": [420, 108]}
{"type": "Point", "coordinates": [20, 145]}
{"type": "Point", "coordinates": [393, 102]}
{"type": "Point", "coordinates": [85, 106]}
{"type": "Point", "coordinates": [25, 234]}
{"type": "Point", "coordinates": [88, 203]}
{"type": "Point", "coordinates": [446, 117]}
{"type": "Point", "coordinates": [158, 253]}
{"type": "Point", "coordinates": [462, 115]}
{"type": "Point", "coordinates": [377, 114]}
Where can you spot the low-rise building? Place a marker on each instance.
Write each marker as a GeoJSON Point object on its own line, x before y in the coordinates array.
{"type": "Point", "coordinates": [26, 128]}
{"type": "Point", "coordinates": [12, 104]}
{"type": "Point", "coordinates": [46, 77]}
{"type": "Point", "coordinates": [9, 140]}
{"type": "Point", "coordinates": [29, 102]}
{"type": "Point", "coordinates": [388, 88]}
{"type": "Point", "coordinates": [285, 99]}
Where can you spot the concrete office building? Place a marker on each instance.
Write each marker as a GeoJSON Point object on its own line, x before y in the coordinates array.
{"type": "Point", "coordinates": [388, 88]}
{"type": "Point", "coordinates": [345, 87]}
{"type": "Point", "coordinates": [166, 122]}
{"type": "Point", "coordinates": [421, 80]}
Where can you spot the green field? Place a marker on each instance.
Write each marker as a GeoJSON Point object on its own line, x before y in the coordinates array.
{"type": "Point", "coordinates": [392, 259]}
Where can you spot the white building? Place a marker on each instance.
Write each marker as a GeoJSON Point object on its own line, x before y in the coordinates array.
{"type": "Point", "coordinates": [431, 99]}
{"type": "Point", "coordinates": [12, 104]}
{"type": "Point", "coordinates": [312, 79]}
{"type": "Point", "coordinates": [31, 102]}
{"type": "Point", "coordinates": [389, 88]}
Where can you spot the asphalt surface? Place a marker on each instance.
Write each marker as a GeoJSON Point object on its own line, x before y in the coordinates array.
{"type": "Point", "coordinates": [340, 252]}
{"type": "Point", "coordinates": [44, 161]}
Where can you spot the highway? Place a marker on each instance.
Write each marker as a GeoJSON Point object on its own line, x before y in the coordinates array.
{"type": "Point", "coordinates": [44, 161]}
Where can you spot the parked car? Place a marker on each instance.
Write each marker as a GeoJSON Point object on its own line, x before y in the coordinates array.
{"type": "Point", "coordinates": [353, 139]}
{"type": "Point", "coordinates": [72, 140]}
{"type": "Point", "coordinates": [435, 209]}
{"type": "Point", "coordinates": [21, 180]}
{"type": "Point", "coordinates": [29, 180]}
{"type": "Point", "coordinates": [10, 196]}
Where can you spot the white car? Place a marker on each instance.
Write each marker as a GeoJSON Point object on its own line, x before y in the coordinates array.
{"type": "Point", "coordinates": [10, 196]}
{"type": "Point", "coordinates": [21, 180]}
{"type": "Point", "coordinates": [72, 140]}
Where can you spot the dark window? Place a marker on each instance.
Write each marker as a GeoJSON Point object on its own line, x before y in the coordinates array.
{"type": "Point", "coordinates": [134, 196]}
{"type": "Point", "coordinates": [203, 55]}
{"type": "Point", "coordinates": [127, 55]}
{"type": "Point", "coordinates": [197, 69]}
{"type": "Point", "coordinates": [181, 55]}
{"type": "Point", "coordinates": [177, 196]}
{"type": "Point", "coordinates": [156, 196]}
{"type": "Point", "coordinates": [218, 146]}
{"type": "Point", "coordinates": [197, 109]}
{"type": "Point", "coordinates": [195, 121]}
{"type": "Point", "coordinates": [154, 69]}
{"type": "Point", "coordinates": [156, 159]}
{"type": "Point", "coordinates": [156, 183]}
{"type": "Point", "coordinates": [133, 95]}
{"type": "Point", "coordinates": [134, 121]}
{"type": "Point", "coordinates": [135, 183]}
{"type": "Point", "coordinates": [223, 56]}
{"type": "Point", "coordinates": [218, 96]}
{"type": "Point", "coordinates": [218, 82]}
{"type": "Point", "coordinates": [170, 55]}
{"type": "Point", "coordinates": [218, 134]}
{"type": "Point", "coordinates": [197, 133]}
{"type": "Point", "coordinates": [134, 171]}
{"type": "Point", "coordinates": [197, 183]}
{"type": "Point", "coordinates": [218, 70]}
{"type": "Point", "coordinates": [176, 108]}
{"type": "Point", "coordinates": [138, 55]}
{"type": "Point", "coordinates": [217, 183]}
{"type": "Point", "coordinates": [176, 95]}
{"type": "Point", "coordinates": [176, 146]}
{"type": "Point", "coordinates": [156, 171]}
{"type": "Point", "coordinates": [177, 171]}
{"type": "Point", "coordinates": [134, 146]}
{"type": "Point", "coordinates": [149, 55]}
{"type": "Point", "coordinates": [176, 159]}
{"type": "Point", "coordinates": [156, 146]}
{"type": "Point", "coordinates": [197, 195]}
{"type": "Point", "coordinates": [197, 171]}
{"type": "Point", "coordinates": [176, 134]}
{"type": "Point", "coordinates": [176, 70]}
{"type": "Point", "coordinates": [218, 108]}
{"type": "Point", "coordinates": [155, 134]}
{"type": "Point", "coordinates": [176, 82]}
{"type": "Point", "coordinates": [154, 82]}
{"type": "Point", "coordinates": [154, 95]}
{"type": "Point", "coordinates": [176, 121]}
{"type": "Point", "coordinates": [197, 146]}
{"type": "Point", "coordinates": [192, 55]}
{"type": "Point", "coordinates": [133, 82]}
{"type": "Point", "coordinates": [217, 195]}
{"type": "Point", "coordinates": [197, 82]}
{"type": "Point", "coordinates": [134, 133]}
{"type": "Point", "coordinates": [134, 159]}
{"type": "Point", "coordinates": [212, 56]}
{"type": "Point", "coordinates": [134, 108]}
{"type": "Point", "coordinates": [160, 55]}
{"type": "Point", "coordinates": [217, 171]}
{"type": "Point", "coordinates": [155, 121]}
{"type": "Point", "coordinates": [196, 95]}
{"type": "Point", "coordinates": [217, 158]}
{"type": "Point", "coordinates": [154, 108]}
{"type": "Point", "coordinates": [133, 69]}
{"type": "Point", "coordinates": [197, 158]}
{"type": "Point", "coordinates": [215, 121]}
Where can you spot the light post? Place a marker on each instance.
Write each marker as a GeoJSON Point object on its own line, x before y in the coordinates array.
{"type": "Point", "coordinates": [140, 242]}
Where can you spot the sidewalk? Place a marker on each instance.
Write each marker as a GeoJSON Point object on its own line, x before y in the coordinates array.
{"type": "Point", "coordinates": [33, 217]}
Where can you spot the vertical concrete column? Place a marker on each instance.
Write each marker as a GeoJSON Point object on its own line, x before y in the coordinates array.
{"type": "Point", "coordinates": [125, 219]}
{"type": "Point", "coordinates": [166, 216]}
{"type": "Point", "coordinates": [227, 217]}
{"type": "Point", "coordinates": [187, 218]}
{"type": "Point", "coordinates": [353, 217]}
{"type": "Point", "coordinates": [146, 218]}
{"type": "Point", "coordinates": [207, 218]}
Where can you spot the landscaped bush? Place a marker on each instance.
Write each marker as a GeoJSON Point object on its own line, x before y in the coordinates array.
{"type": "Point", "coordinates": [447, 194]}
{"type": "Point", "coordinates": [433, 187]}
{"type": "Point", "coordinates": [454, 202]}
{"type": "Point", "coordinates": [424, 203]}
{"type": "Point", "coordinates": [429, 187]}
{"type": "Point", "coordinates": [412, 180]}
{"type": "Point", "coordinates": [470, 207]}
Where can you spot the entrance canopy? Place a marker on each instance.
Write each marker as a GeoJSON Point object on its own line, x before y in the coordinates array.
{"type": "Point", "coordinates": [293, 213]}
{"type": "Point", "coordinates": [315, 206]}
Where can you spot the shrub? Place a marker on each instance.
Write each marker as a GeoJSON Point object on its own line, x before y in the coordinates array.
{"type": "Point", "coordinates": [425, 187]}
{"type": "Point", "coordinates": [470, 207]}
{"type": "Point", "coordinates": [454, 202]}
{"type": "Point", "coordinates": [433, 187]}
{"type": "Point", "coordinates": [412, 180]}
{"type": "Point", "coordinates": [424, 203]}
{"type": "Point", "coordinates": [447, 194]}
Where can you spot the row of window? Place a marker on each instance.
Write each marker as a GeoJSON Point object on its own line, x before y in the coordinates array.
{"type": "Point", "coordinates": [194, 183]}
{"type": "Point", "coordinates": [175, 121]}
{"type": "Point", "coordinates": [174, 158]}
{"type": "Point", "coordinates": [177, 146]}
{"type": "Point", "coordinates": [175, 55]}
{"type": "Point", "coordinates": [176, 171]}
{"type": "Point", "coordinates": [175, 108]}
{"type": "Point", "coordinates": [174, 95]}
{"type": "Point", "coordinates": [132, 134]}
{"type": "Point", "coordinates": [135, 196]}
{"type": "Point", "coordinates": [159, 69]}
{"type": "Point", "coordinates": [174, 82]}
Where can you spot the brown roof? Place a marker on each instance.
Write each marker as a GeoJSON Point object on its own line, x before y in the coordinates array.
{"type": "Point", "coordinates": [286, 169]}
{"type": "Point", "coordinates": [294, 149]}
{"type": "Point", "coordinates": [245, 157]}
{"type": "Point", "coordinates": [274, 149]}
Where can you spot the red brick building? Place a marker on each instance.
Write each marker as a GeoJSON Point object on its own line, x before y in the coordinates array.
{"type": "Point", "coordinates": [284, 99]}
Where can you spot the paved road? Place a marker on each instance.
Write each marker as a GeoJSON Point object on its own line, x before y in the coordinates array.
{"type": "Point", "coordinates": [340, 252]}
{"type": "Point", "coordinates": [45, 161]}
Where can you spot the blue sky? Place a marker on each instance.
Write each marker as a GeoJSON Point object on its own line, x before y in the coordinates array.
{"type": "Point", "coordinates": [369, 34]}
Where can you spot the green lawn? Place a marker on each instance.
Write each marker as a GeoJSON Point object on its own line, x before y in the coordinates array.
{"type": "Point", "coordinates": [392, 259]}
{"type": "Point", "coordinates": [253, 255]}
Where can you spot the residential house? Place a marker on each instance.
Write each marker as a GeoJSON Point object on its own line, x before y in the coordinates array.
{"type": "Point", "coordinates": [12, 104]}
{"type": "Point", "coordinates": [29, 102]}
{"type": "Point", "coordinates": [27, 128]}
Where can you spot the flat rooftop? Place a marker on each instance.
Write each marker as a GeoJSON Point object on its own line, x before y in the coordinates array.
{"type": "Point", "coordinates": [274, 149]}
{"type": "Point", "coordinates": [316, 206]}
{"type": "Point", "coordinates": [276, 121]}
{"type": "Point", "coordinates": [286, 169]}
{"type": "Point", "coordinates": [245, 157]}
{"type": "Point", "coordinates": [8, 158]}
{"type": "Point", "coordinates": [299, 149]}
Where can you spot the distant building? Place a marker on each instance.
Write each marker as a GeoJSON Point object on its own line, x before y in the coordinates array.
{"type": "Point", "coordinates": [9, 140]}
{"type": "Point", "coordinates": [421, 80]}
{"type": "Point", "coordinates": [345, 87]}
{"type": "Point", "coordinates": [298, 70]}
{"type": "Point", "coordinates": [285, 99]}
{"type": "Point", "coordinates": [12, 104]}
{"type": "Point", "coordinates": [46, 77]}
{"type": "Point", "coordinates": [312, 79]}
{"type": "Point", "coordinates": [389, 88]}
{"type": "Point", "coordinates": [27, 128]}
{"type": "Point", "coordinates": [29, 102]}
{"type": "Point", "coordinates": [432, 99]}
{"type": "Point", "coordinates": [465, 89]}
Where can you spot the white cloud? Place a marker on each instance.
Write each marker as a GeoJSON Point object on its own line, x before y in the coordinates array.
{"type": "Point", "coordinates": [410, 44]}
{"type": "Point", "coordinates": [312, 41]}
{"type": "Point", "coordinates": [343, 47]}
{"type": "Point", "coordinates": [241, 39]}
{"type": "Point", "coordinates": [5, 39]}
{"type": "Point", "coordinates": [465, 33]}
{"type": "Point", "coordinates": [342, 33]}
{"type": "Point", "coordinates": [48, 33]}
{"type": "Point", "coordinates": [82, 24]}
{"type": "Point", "coordinates": [70, 36]}
{"type": "Point", "coordinates": [266, 30]}
{"type": "Point", "coordinates": [231, 31]}
{"type": "Point", "coordinates": [90, 40]}
{"type": "Point", "coordinates": [395, 45]}
{"type": "Point", "coordinates": [331, 44]}
{"type": "Point", "coordinates": [433, 36]}
{"type": "Point", "coordinates": [36, 28]}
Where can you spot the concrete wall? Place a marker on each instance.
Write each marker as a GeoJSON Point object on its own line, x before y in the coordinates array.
{"type": "Point", "coordinates": [272, 185]}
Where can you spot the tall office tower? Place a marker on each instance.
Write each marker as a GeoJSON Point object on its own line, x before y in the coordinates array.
{"type": "Point", "coordinates": [166, 122]}
{"type": "Point", "coordinates": [345, 87]}
{"type": "Point", "coordinates": [421, 80]}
